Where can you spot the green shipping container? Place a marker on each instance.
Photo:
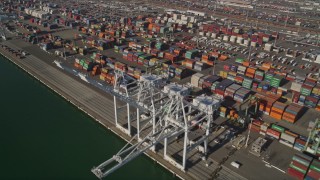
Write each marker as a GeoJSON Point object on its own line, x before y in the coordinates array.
{"type": "Point", "coordinates": [260, 73]}
{"type": "Point", "coordinates": [277, 128]}
{"type": "Point", "coordinates": [301, 161]}
{"type": "Point", "coordinates": [269, 76]}
{"type": "Point", "coordinates": [298, 169]}
{"type": "Point", "coordinates": [305, 91]}
{"type": "Point", "coordinates": [316, 168]}
{"type": "Point", "coordinates": [239, 60]}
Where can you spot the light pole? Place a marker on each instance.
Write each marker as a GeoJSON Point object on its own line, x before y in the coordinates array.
{"type": "Point", "coordinates": [246, 145]}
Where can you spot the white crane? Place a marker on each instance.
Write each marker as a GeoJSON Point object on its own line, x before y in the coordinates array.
{"type": "Point", "coordinates": [170, 116]}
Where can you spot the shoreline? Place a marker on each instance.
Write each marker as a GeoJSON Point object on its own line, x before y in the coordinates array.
{"type": "Point", "coordinates": [88, 111]}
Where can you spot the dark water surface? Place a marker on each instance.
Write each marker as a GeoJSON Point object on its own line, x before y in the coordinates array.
{"type": "Point", "coordinates": [44, 137]}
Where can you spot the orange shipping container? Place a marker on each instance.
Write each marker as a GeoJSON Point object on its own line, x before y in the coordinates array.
{"type": "Point", "coordinates": [101, 35]}
{"type": "Point", "coordinates": [276, 115]}
{"type": "Point", "coordinates": [251, 70]}
{"type": "Point", "coordinates": [291, 133]}
{"type": "Point", "coordinates": [150, 20]}
{"type": "Point", "coordinates": [77, 65]}
{"type": "Point", "coordinates": [211, 63]}
{"type": "Point", "coordinates": [266, 65]}
{"type": "Point", "coordinates": [223, 57]}
{"type": "Point", "coordinates": [205, 57]}
{"type": "Point", "coordinates": [246, 63]}
{"type": "Point", "coordinates": [177, 51]}
{"type": "Point", "coordinates": [267, 110]}
{"type": "Point", "coordinates": [131, 44]}
{"type": "Point", "coordinates": [150, 26]}
{"type": "Point", "coordinates": [215, 54]}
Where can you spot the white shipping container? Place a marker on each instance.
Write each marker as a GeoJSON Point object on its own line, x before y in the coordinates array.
{"type": "Point", "coordinates": [175, 16]}
{"type": "Point", "coordinates": [226, 38]}
{"type": "Point", "coordinates": [295, 86]}
{"type": "Point", "coordinates": [198, 67]}
{"type": "Point", "coordinates": [262, 133]}
{"type": "Point", "coordinates": [246, 42]}
{"type": "Point", "coordinates": [286, 143]}
{"type": "Point", "coordinates": [184, 22]}
{"type": "Point", "coordinates": [240, 40]}
{"type": "Point", "coordinates": [195, 79]}
{"type": "Point", "coordinates": [241, 68]}
{"type": "Point", "coordinates": [264, 127]}
{"type": "Point", "coordinates": [268, 47]}
{"type": "Point", "coordinates": [233, 39]}
{"type": "Point", "coordinates": [288, 137]}
{"type": "Point", "coordinates": [296, 148]}
{"type": "Point", "coordinates": [310, 150]}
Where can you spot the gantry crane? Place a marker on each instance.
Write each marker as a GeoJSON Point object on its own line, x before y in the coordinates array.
{"type": "Point", "coordinates": [170, 116]}
{"type": "Point", "coordinates": [313, 138]}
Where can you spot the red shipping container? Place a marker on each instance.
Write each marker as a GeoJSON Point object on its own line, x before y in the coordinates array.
{"type": "Point", "coordinates": [273, 133]}
{"type": "Point", "coordinates": [257, 122]}
{"type": "Point", "coordinates": [295, 173]}
{"type": "Point", "coordinates": [301, 166]}
{"type": "Point", "coordinates": [307, 86]}
{"type": "Point", "coordinates": [300, 141]}
{"type": "Point", "coordinates": [312, 99]}
{"type": "Point", "coordinates": [260, 41]}
{"type": "Point", "coordinates": [226, 67]}
{"type": "Point", "coordinates": [310, 80]}
{"type": "Point", "coordinates": [254, 128]}
{"type": "Point", "coordinates": [289, 78]}
{"type": "Point", "coordinates": [313, 174]}
{"type": "Point", "coordinates": [228, 93]}
{"type": "Point", "coordinates": [220, 92]}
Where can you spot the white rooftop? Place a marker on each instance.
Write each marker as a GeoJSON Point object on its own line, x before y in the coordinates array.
{"type": "Point", "coordinates": [176, 89]}
{"type": "Point", "coordinates": [206, 103]}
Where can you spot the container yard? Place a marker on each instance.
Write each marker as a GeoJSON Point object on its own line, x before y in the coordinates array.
{"type": "Point", "coordinates": [209, 92]}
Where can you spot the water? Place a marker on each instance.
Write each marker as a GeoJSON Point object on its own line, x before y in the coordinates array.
{"type": "Point", "coordinates": [44, 137]}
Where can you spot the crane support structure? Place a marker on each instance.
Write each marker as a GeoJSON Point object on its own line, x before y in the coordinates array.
{"type": "Point", "coordinates": [167, 116]}
{"type": "Point", "coordinates": [313, 138]}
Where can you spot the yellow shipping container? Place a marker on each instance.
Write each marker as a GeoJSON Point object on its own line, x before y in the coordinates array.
{"type": "Point", "coordinates": [223, 74]}
{"type": "Point", "coordinates": [223, 109]}
{"type": "Point", "coordinates": [233, 73]}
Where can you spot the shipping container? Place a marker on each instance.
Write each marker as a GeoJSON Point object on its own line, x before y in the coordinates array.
{"type": "Point", "coordinates": [287, 137]}
{"type": "Point", "coordinates": [195, 79]}
{"type": "Point", "coordinates": [273, 133]}
{"type": "Point", "coordinates": [296, 174]}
